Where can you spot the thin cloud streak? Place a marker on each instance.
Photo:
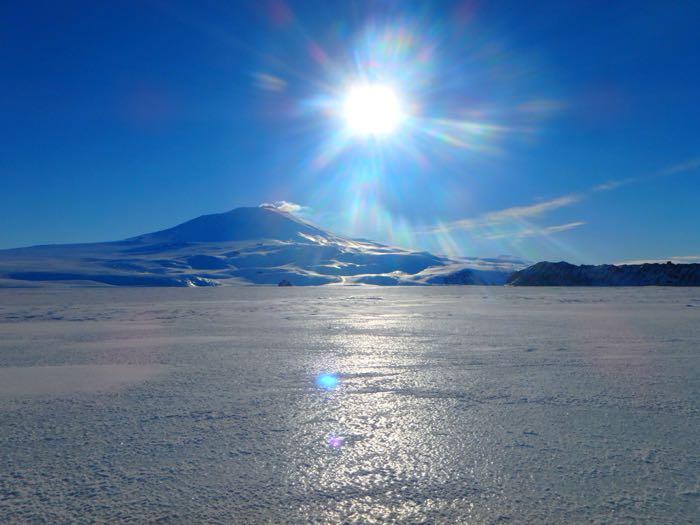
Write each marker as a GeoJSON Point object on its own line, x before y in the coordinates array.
{"type": "Point", "coordinates": [678, 259]}
{"type": "Point", "coordinates": [680, 168]}
{"type": "Point", "coordinates": [536, 232]}
{"type": "Point", "coordinates": [683, 167]}
{"type": "Point", "coordinates": [519, 213]}
{"type": "Point", "coordinates": [563, 227]}
{"type": "Point", "coordinates": [509, 214]}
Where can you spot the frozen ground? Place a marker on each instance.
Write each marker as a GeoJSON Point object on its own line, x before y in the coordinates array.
{"type": "Point", "coordinates": [454, 405]}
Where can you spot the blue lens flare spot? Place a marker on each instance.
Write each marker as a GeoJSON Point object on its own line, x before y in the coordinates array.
{"type": "Point", "coordinates": [327, 381]}
{"type": "Point", "coordinates": [336, 442]}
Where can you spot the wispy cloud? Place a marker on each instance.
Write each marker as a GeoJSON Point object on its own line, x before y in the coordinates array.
{"type": "Point", "coordinates": [534, 231]}
{"type": "Point", "coordinates": [611, 185]}
{"type": "Point", "coordinates": [285, 206]}
{"type": "Point", "coordinates": [563, 227]}
{"type": "Point", "coordinates": [519, 214]}
{"type": "Point", "coordinates": [496, 218]}
{"type": "Point", "coordinates": [680, 168]}
{"type": "Point", "coordinates": [678, 259]}
{"type": "Point", "coordinates": [268, 82]}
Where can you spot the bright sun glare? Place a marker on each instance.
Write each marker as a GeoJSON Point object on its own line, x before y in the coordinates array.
{"type": "Point", "coordinates": [372, 109]}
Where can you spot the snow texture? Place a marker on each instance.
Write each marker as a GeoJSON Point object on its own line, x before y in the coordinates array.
{"type": "Point", "coordinates": [452, 405]}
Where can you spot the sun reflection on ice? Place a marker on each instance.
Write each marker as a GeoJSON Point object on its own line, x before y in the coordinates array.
{"type": "Point", "coordinates": [327, 381]}
{"type": "Point", "coordinates": [335, 442]}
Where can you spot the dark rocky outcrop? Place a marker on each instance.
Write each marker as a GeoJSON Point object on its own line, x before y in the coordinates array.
{"type": "Point", "coordinates": [566, 274]}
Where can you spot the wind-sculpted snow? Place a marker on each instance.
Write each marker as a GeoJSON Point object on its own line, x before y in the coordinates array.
{"type": "Point", "coordinates": [259, 245]}
{"type": "Point", "coordinates": [565, 274]}
{"type": "Point", "coordinates": [350, 405]}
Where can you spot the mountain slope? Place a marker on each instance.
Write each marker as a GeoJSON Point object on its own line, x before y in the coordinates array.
{"type": "Point", "coordinates": [256, 245]}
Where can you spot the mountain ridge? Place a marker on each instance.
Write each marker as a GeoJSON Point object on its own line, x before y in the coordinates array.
{"type": "Point", "coordinates": [248, 245]}
{"type": "Point", "coordinates": [562, 273]}
{"type": "Point", "coordinates": [265, 245]}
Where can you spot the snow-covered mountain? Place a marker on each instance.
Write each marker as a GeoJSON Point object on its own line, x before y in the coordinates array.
{"type": "Point", "coordinates": [565, 274]}
{"type": "Point", "coordinates": [255, 245]}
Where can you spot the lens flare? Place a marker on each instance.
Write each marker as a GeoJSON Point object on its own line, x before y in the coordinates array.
{"type": "Point", "coordinates": [335, 442]}
{"type": "Point", "coordinates": [372, 110]}
{"type": "Point", "coordinates": [327, 381]}
{"type": "Point", "coordinates": [399, 112]}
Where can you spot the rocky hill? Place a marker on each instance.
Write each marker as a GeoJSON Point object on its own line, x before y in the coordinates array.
{"type": "Point", "coordinates": [565, 274]}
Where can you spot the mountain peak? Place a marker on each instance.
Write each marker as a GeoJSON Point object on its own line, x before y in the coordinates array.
{"type": "Point", "coordinates": [239, 224]}
{"type": "Point", "coordinates": [261, 244]}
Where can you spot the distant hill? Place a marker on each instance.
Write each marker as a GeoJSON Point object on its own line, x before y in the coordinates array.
{"type": "Point", "coordinates": [253, 245]}
{"type": "Point", "coordinates": [565, 274]}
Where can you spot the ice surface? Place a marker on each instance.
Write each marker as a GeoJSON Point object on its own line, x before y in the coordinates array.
{"type": "Point", "coordinates": [67, 379]}
{"type": "Point", "coordinates": [453, 405]}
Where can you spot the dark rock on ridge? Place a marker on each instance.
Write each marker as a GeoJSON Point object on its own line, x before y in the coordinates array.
{"type": "Point", "coordinates": [566, 274]}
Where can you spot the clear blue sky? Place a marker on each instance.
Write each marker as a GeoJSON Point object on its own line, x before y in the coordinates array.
{"type": "Point", "coordinates": [562, 130]}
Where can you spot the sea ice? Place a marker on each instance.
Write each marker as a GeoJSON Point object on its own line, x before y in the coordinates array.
{"type": "Point", "coordinates": [458, 405]}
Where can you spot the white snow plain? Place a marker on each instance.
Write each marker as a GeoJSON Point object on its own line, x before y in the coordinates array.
{"type": "Point", "coordinates": [453, 405]}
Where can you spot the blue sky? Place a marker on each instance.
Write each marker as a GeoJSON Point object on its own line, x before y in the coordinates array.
{"type": "Point", "coordinates": [561, 131]}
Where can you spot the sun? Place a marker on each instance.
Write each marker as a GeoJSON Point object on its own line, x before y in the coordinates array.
{"type": "Point", "coordinates": [372, 110]}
